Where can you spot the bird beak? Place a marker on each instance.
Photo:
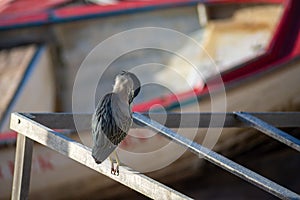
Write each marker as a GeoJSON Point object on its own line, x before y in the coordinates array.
{"type": "Point", "coordinates": [136, 92]}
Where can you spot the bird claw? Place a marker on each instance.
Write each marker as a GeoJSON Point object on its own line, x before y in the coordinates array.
{"type": "Point", "coordinates": [115, 171]}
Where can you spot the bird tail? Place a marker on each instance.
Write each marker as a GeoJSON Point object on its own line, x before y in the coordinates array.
{"type": "Point", "coordinates": [100, 154]}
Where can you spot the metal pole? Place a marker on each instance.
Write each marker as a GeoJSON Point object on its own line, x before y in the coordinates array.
{"type": "Point", "coordinates": [269, 130]}
{"type": "Point", "coordinates": [220, 160]}
{"type": "Point", "coordinates": [22, 169]}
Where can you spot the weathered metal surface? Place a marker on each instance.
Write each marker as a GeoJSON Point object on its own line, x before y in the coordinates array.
{"type": "Point", "coordinates": [82, 154]}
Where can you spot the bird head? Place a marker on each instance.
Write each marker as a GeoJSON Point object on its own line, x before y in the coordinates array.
{"type": "Point", "coordinates": [127, 84]}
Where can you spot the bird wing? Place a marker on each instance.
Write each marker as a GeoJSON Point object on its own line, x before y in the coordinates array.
{"type": "Point", "coordinates": [102, 129]}
{"type": "Point", "coordinates": [103, 149]}
{"type": "Point", "coordinates": [109, 127]}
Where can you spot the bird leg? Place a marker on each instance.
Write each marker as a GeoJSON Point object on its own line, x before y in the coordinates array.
{"type": "Point", "coordinates": [114, 171]}
{"type": "Point", "coordinates": [118, 163]}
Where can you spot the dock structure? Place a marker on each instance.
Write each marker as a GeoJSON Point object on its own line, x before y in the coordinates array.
{"type": "Point", "coordinates": [40, 127]}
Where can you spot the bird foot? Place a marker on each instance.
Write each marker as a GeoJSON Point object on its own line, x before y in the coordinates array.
{"type": "Point", "coordinates": [115, 171]}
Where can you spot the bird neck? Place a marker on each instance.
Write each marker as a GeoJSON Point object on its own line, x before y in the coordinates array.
{"type": "Point", "coordinates": [122, 92]}
{"type": "Point", "coordinates": [121, 105]}
{"type": "Point", "coordinates": [123, 96]}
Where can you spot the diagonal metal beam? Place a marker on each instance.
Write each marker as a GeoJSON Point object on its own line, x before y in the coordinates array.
{"type": "Point", "coordinates": [269, 130]}
{"type": "Point", "coordinates": [220, 160]}
{"type": "Point", "coordinates": [82, 154]}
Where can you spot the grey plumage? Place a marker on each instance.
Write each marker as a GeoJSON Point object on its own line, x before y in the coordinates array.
{"type": "Point", "coordinates": [112, 118]}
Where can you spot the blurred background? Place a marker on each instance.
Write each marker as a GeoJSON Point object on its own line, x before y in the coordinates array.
{"type": "Point", "coordinates": [250, 47]}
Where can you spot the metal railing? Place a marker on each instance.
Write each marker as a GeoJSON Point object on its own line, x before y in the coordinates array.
{"type": "Point", "coordinates": [40, 127]}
